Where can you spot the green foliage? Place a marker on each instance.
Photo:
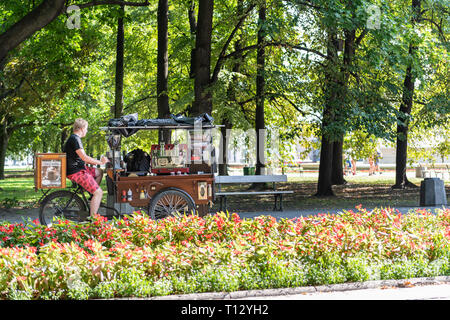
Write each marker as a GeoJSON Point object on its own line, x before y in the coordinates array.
{"type": "Point", "coordinates": [359, 145]}
{"type": "Point", "coordinates": [70, 73]}
{"type": "Point", "coordinates": [430, 145]}
{"type": "Point", "coordinates": [9, 202]}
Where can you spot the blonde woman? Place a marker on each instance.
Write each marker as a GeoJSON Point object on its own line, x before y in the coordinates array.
{"type": "Point", "coordinates": [87, 177]}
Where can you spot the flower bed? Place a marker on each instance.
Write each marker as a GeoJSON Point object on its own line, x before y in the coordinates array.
{"type": "Point", "coordinates": [139, 257]}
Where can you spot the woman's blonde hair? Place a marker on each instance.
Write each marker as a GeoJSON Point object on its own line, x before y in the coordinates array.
{"type": "Point", "coordinates": [79, 124]}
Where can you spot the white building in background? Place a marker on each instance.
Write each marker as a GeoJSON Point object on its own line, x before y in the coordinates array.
{"type": "Point", "coordinates": [238, 154]}
{"type": "Point", "coordinates": [25, 162]}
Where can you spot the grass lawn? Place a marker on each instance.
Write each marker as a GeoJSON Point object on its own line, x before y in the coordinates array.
{"type": "Point", "coordinates": [18, 192]}
{"type": "Point", "coordinates": [370, 191]}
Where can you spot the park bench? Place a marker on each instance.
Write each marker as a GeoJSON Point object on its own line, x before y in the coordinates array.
{"type": "Point", "coordinates": [222, 180]}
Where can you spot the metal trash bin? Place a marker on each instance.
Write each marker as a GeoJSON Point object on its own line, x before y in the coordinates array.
{"type": "Point", "coordinates": [432, 192]}
{"type": "Point", "coordinates": [249, 171]}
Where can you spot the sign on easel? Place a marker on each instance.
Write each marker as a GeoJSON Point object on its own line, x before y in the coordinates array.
{"type": "Point", "coordinates": [50, 170]}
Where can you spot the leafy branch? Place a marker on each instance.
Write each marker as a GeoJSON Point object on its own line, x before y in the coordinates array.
{"type": "Point", "coordinates": [227, 43]}
{"type": "Point", "coordinates": [113, 2]}
{"type": "Point", "coordinates": [276, 44]}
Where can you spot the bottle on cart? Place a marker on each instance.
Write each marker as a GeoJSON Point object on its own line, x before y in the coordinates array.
{"type": "Point", "coordinates": [124, 196]}
{"type": "Point", "coordinates": [142, 194]}
{"type": "Point", "coordinates": [129, 195]}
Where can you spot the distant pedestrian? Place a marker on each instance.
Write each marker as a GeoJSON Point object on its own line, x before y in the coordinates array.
{"type": "Point", "coordinates": [371, 165]}
{"type": "Point", "coordinates": [378, 156]}
{"type": "Point", "coordinates": [347, 166]}
{"type": "Point", "coordinates": [353, 166]}
{"type": "Point", "coordinates": [350, 161]}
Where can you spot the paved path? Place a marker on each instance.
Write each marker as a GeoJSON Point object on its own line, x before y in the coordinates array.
{"type": "Point", "coordinates": [18, 215]}
{"type": "Point", "coordinates": [429, 292]}
{"type": "Point", "coordinates": [433, 288]}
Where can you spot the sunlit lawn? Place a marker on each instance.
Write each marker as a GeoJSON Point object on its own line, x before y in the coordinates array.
{"type": "Point", "coordinates": [20, 192]}
{"type": "Point", "coordinates": [370, 191]}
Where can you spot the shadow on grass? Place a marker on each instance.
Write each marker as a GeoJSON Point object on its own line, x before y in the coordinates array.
{"type": "Point", "coordinates": [346, 196]}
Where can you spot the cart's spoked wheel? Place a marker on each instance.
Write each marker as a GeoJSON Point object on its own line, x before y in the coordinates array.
{"type": "Point", "coordinates": [169, 203]}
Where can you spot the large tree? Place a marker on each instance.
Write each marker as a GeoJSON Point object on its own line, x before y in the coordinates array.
{"type": "Point", "coordinates": [163, 67]}
{"type": "Point", "coordinates": [344, 30]}
{"type": "Point", "coordinates": [120, 43]}
{"type": "Point", "coordinates": [422, 16]}
{"type": "Point", "coordinates": [202, 59]}
{"type": "Point", "coordinates": [41, 16]}
{"type": "Point", "coordinates": [260, 90]}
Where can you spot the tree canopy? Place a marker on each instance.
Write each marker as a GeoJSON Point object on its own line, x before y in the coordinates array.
{"type": "Point", "coordinates": [332, 71]}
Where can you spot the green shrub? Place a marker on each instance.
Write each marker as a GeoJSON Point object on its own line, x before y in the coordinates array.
{"type": "Point", "coordinates": [139, 257]}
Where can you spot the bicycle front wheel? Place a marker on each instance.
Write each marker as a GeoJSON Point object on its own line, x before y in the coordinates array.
{"type": "Point", "coordinates": [61, 204]}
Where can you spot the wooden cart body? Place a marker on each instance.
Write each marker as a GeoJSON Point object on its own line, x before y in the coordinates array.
{"type": "Point", "coordinates": [143, 189]}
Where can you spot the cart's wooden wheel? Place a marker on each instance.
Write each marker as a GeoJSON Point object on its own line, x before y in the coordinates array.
{"type": "Point", "coordinates": [169, 203]}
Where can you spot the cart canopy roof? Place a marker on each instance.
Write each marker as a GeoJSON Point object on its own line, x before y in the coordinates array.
{"type": "Point", "coordinates": [129, 124]}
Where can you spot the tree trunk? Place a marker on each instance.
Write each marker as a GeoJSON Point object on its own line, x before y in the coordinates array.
{"type": "Point", "coordinates": [401, 181]}
{"type": "Point", "coordinates": [231, 94]}
{"type": "Point", "coordinates": [325, 168]}
{"type": "Point", "coordinates": [324, 183]}
{"type": "Point", "coordinates": [203, 98]}
{"type": "Point", "coordinates": [337, 176]}
{"type": "Point", "coordinates": [337, 172]}
{"type": "Point", "coordinates": [64, 136]}
{"type": "Point", "coordinates": [193, 30]}
{"type": "Point", "coordinates": [118, 104]}
{"type": "Point", "coordinates": [260, 92]}
{"type": "Point", "coordinates": [4, 139]}
{"type": "Point", "coordinates": [223, 167]}
{"type": "Point", "coordinates": [163, 68]}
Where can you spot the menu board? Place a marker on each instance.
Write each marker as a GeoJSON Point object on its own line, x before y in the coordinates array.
{"type": "Point", "coordinates": [50, 170]}
{"type": "Point", "coordinates": [51, 173]}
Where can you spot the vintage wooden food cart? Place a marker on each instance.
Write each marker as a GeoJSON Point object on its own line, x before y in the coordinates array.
{"type": "Point", "coordinates": [175, 177]}
{"type": "Point", "coordinates": [165, 180]}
